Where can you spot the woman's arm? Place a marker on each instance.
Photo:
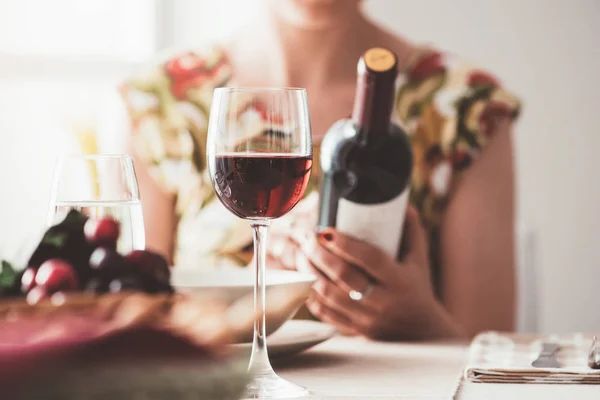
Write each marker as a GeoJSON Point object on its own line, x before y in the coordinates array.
{"type": "Point", "coordinates": [158, 206]}
{"type": "Point", "coordinates": [159, 211]}
{"type": "Point", "coordinates": [477, 279]}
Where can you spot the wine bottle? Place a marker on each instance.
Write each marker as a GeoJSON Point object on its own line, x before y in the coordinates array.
{"type": "Point", "coordinates": [367, 161]}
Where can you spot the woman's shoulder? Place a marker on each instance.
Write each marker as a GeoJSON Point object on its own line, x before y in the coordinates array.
{"type": "Point", "coordinates": [450, 108]}
{"type": "Point", "coordinates": [450, 84]}
{"type": "Point", "coordinates": [177, 75]}
{"type": "Point", "coordinates": [167, 103]}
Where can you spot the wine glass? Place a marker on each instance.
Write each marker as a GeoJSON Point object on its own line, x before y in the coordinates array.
{"type": "Point", "coordinates": [100, 186]}
{"type": "Point", "coordinates": [259, 152]}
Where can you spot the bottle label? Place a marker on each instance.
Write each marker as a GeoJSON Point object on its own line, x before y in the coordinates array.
{"type": "Point", "coordinates": [379, 224]}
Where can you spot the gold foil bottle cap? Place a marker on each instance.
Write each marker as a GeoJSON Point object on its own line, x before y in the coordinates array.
{"type": "Point", "coordinates": [379, 59]}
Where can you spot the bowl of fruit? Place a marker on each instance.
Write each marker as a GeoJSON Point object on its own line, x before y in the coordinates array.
{"type": "Point", "coordinates": [79, 255]}
{"type": "Point", "coordinates": [118, 346]}
{"type": "Point", "coordinates": [81, 319]}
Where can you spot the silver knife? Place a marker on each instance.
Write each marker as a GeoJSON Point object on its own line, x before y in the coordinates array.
{"type": "Point", "coordinates": [547, 356]}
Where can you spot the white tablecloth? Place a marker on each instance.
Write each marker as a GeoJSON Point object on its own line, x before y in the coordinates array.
{"type": "Point", "coordinates": [351, 368]}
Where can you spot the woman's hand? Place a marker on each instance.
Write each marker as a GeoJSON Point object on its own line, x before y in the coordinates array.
{"type": "Point", "coordinates": [363, 291]}
{"type": "Point", "coordinates": [283, 248]}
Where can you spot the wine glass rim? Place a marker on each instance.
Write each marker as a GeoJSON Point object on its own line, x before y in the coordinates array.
{"type": "Point", "coordinates": [260, 89]}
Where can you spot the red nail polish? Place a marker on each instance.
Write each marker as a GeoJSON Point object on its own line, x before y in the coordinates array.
{"type": "Point", "coordinates": [327, 236]}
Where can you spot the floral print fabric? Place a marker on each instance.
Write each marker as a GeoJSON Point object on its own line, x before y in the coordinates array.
{"type": "Point", "coordinates": [447, 106]}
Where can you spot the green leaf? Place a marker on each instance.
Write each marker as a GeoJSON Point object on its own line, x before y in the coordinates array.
{"type": "Point", "coordinates": [58, 234]}
{"type": "Point", "coordinates": [7, 274]}
{"type": "Point", "coordinates": [74, 217]}
{"type": "Point", "coordinates": [56, 239]}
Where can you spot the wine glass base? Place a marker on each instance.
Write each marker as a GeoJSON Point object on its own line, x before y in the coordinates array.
{"type": "Point", "coordinates": [272, 386]}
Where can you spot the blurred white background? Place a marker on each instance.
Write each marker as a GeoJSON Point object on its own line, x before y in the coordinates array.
{"type": "Point", "coordinates": [60, 62]}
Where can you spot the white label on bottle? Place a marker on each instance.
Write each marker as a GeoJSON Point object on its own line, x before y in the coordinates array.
{"type": "Point", "coordinates": [379, 224]}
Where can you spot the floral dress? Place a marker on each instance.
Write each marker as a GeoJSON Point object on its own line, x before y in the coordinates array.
{"type": "Point", "coordinates": [446, 105]}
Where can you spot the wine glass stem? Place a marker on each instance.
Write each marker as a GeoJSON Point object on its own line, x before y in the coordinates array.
{"type": "Point", "coordinates": [259, 361]}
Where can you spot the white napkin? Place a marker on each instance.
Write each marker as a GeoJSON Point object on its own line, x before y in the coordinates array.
{"type": "Point", "coordinates": [507, 358]}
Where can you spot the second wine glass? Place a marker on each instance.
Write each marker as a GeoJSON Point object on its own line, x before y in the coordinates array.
{"type": "Point", "coordinates": [260, 157]}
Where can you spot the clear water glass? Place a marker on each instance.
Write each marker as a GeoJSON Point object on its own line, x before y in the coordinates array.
{"type": "Point", "coordinates": [100, 186]}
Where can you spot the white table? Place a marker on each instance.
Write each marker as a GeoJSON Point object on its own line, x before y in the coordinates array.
{"type": "Point", "coordinates": [347, 368]}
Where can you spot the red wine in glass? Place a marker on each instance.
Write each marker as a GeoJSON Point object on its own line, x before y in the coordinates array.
{"type": "Point", "coordinates": [260, 185]}
{"type": "Point", "coordinates": [259, 154]}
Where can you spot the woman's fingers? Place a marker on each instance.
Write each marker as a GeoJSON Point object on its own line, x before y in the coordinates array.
{"type": "Point", "coordinates": [370, 259]}
{"type": "Point", "coordinates": [281, 248]}
{"type": "Point", "coordinates": [361, 312]}
{"type": "Point", "coordinates": [303, 264]}
{"type": "Point", "coordinates": [334, 267]}
{"type": "Point", "coordinates": [326, 314]}
{"type": "Point", "coordinates": [356, 315]}
{"type": "Point", "coordinates": [274, 263]}
{"type": "Point", "coordinates": [415, 237]}
{"type": "Point", "coordinates": [283, 234]}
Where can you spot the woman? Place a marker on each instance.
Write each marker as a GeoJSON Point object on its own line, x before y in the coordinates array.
{"type": "Point", "coordinates": [456, 276]}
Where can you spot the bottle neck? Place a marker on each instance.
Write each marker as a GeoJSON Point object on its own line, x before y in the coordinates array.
{"type": "Point", "coordinates": [373, 104]}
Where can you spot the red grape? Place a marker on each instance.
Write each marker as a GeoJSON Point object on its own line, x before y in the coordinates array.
{"type": "Point", "coordinates": [151, 264]}
{"type": "Point", "coordinates": [104, 231]}
{"type": "Point", "coordinates": [126, 283]}
{"type": "Point", "coordinates": [56, 274]}
{"type": "Point", "coordinates": [36, 294]}
{"type": "Point", "coordinates": [28, 279]}
{"type": "Point", "coordinates": [96, 285]}
{"type": "Point", "coordinates": [58, 299]}
{"type": "Point", "coordinates": [107, 261]}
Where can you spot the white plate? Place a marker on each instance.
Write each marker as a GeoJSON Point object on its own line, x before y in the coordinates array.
{"type": "Point", "coordinates": [233, 277]}
{"type": "Point", "coordinates": [286, 292]}
{"type": "Point", "coordinates": [234, 283]}
{"type": "Point", "coordinates": [294, 337]}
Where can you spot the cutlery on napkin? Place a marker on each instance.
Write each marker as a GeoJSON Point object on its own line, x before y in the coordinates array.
{"type": "Point", "coordinates": [514, 358]}
{"type": "Point", "coordinates": [546, 358]}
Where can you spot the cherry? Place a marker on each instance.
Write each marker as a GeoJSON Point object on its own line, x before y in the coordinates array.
{"type": "Point", "coordinates": [56, 274]}
{"type": "Point", "coordinates": [104, 231]}
{"type": "Point", "coordinates": [151, 264]}
{"type": "Point", "coordinates": [28, 279]}
{"type": "Point", "coordinates": [36, 294]}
